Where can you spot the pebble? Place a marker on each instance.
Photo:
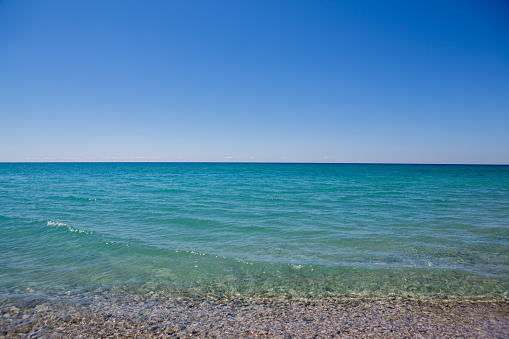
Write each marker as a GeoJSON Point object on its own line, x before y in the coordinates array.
{"type": "Point", "coordinates": [132, 315]}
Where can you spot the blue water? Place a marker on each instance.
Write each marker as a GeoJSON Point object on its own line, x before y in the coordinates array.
{"type": "Point", "coordinates": [256, 230]}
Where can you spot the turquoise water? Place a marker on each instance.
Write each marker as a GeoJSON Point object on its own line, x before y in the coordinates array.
{"type": "Point", "coordinates": [256, 230]}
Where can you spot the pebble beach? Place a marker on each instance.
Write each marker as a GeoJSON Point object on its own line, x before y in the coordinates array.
{"type": "Point", "coordinates": [113, 315]}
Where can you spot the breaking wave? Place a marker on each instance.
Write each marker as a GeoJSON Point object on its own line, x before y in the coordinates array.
{"type": "Point", "coordinates": [69, 227]}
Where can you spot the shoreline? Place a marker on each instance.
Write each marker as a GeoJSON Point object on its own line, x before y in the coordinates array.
{"type": "Point", "coordinates": [152, 315]}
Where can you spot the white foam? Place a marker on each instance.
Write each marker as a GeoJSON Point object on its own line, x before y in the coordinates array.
{"type": "Point", "coordinates": [54, 223]}
{"type": "Point", "coordinates": [69, 227]}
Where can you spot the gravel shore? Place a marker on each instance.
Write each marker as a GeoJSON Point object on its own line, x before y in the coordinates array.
{"type": "Point", "coordinates": [126, 315]}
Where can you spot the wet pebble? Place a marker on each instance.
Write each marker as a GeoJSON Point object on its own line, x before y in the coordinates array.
{"type": "Point", "coordinates": [148, 316]}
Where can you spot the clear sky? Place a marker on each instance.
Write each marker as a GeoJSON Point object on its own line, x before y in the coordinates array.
{"type": "Point", "coordinates": [297, 81]}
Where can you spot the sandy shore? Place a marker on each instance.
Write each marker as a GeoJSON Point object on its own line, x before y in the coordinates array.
{"type": "Point", "coordinates": [127, 315]}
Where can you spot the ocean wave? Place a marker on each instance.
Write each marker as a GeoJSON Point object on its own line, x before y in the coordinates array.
{"type": "Point", "coordinates": [69, 227]}
{"type": "Point", "coordinates": [73, 197]}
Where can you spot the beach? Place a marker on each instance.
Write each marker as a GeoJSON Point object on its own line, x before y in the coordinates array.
{"type": "Point", "coordinates": [106, 314]}
{"type": "Point", "coordinates": [254, 169]}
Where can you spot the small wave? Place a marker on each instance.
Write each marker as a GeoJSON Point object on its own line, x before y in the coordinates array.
{"type": "Point", "coordinates": [69, 227]}
{"type": "Point", "coordinates": [82, 198]}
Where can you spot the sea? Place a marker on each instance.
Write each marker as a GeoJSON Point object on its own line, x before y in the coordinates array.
{"type": "Point", "coordinates": [255, 230]}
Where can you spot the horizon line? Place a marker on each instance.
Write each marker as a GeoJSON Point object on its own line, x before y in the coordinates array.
{"type": "Point", "coordinates": [251, 162]}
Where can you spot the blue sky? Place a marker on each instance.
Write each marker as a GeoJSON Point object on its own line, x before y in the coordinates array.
{"type": "Point", "coordinates": [296, 81]}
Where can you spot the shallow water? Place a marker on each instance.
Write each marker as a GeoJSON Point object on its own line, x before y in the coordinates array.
{"type": "Point", "coordinates": [294, 230]}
